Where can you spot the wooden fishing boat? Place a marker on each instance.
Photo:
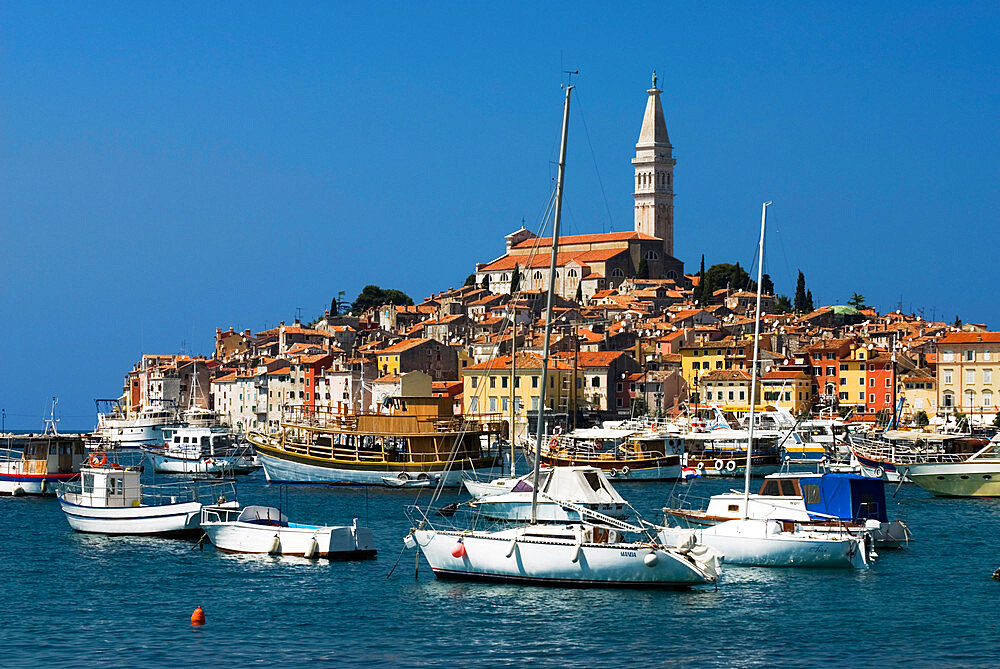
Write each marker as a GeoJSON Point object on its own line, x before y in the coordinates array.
{"type": "Point", "coordinates": [623, 454]}
{"type": "Point", "coordinates": [415, 439]}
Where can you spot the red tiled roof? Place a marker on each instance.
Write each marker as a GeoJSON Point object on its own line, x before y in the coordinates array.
{"type": "Point", "coordinates": [583, 239]}
{"type": "Point", "coordinates": [970, 338]}
{"type": "Point", "coordinates": [404, 345]}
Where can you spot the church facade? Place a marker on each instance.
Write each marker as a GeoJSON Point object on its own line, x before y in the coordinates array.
{"type": "Point", "coordinates": [586, 264]}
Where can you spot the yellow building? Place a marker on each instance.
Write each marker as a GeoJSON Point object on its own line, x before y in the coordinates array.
{"type": "Point", "coordinates": [919, 394]}
{"type": "Point", "coordinates": [790, 390]}
{"type": "Point", "coordinates": [851, 391]}
{"type": "Point", "coordinates": [486, 387]}
{"type": "Point", "coordinates": [968, 373]}
{"type": "Point", "coordinates": [702, 358]}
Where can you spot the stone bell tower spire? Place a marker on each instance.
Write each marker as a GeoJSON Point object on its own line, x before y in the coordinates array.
{"type": "Point", "coordinates": [654, 174]}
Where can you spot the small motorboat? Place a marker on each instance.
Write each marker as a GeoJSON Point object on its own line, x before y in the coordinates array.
{"type": "Point", "coordinates": [111, 499]}
{"type": "Point", "coordinates": [202, 450]}
{"type": "Point", "coordinates": [266, 530]}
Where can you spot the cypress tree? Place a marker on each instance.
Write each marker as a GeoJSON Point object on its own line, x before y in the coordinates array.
{"type": "Point", "coordinates": [799, 304]}
{"type": "Point", "coordinates": [643, 271]}
{"type": "Point", "coordinates": [515, 279]}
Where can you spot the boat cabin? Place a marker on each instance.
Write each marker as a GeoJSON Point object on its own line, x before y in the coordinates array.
{"type": "Point", "coordinates": [583, 485]}
{"type": "Point", "coordinates": [110, 487]}
{"type": "Point", "coordinates": [845, 496]}
{"type": "Point", "coordinates": [56, 455]}
{"type": "Point", "coordinates": [255, 515]}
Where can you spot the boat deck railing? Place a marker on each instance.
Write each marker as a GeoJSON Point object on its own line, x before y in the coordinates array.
{"type": "Point", "coordinates": [564, 447]}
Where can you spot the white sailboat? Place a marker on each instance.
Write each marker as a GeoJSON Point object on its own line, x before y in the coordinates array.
{"type": "Point", "coordinates": [766, 542]}
{"type": "Point", "coordinates": [593, 552]}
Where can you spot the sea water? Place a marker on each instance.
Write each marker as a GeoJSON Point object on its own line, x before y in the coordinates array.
{"type": "Point", "coordinates": [94, 601]}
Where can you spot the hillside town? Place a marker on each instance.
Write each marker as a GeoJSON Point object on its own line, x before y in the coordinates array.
{"type": "Point", "coordinates": [635, 334]}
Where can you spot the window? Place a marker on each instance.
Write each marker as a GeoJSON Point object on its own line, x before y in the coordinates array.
{"type": "Point", "coordinates": [948, 356]}
{"type": "Point", "coordinates": [619, 387]}
{"type": "Point", "coordinates": [493, 404]}
{"type": "Point", "coordinates": [987, 355]}
{"type": "Point", "coordinates": [475, 381]}
{"type": "Point", "coordinates": [970, 376]}
{"type": "Point", "coordinates": [504, 404]}
{"type": "Point", "coordinates": [718, 364]}
{"type": "Point", "coordinates": [742, 395]}
{"type": "Point", "coordinates": [861, 397]}
{"type": "Point", "coordinates": [652, 255]}
{"type": "Point", "coordinates": [830, 371]}
{"type": "Point", "coordinates": [947, 376]}
{"type": "Point", "coordinates": [970, 397]}
{"type": "Point", "coordinates": [708, 395]}
{"type": "Point", "coordinates": [987, 398]}
{"type": "Point", "coordinates": [888, 383]}
{"type": "Point", "coordinates": [537, 275]}
{"type": "Point", "coordinates": [534, 403]}
{"type": "Point", "coordinates": [843, 367]}
{"type": "Point", "coordinates": [871, 383]}
{"type": "Point", "coordinates": [987, 376]}
{"type": "Point", "coordinates": [843, 396]}
{"type": "Point", "coordinates": [596, 382]}
{"type": "Point", "coordinates": [534, 383]}
{"type": "Point", "coordinates": [730, 395]}
{"type": "Point", "coordinates": [474, 405]}
{"type": "Point", "coordinates": [843, 381]}
{"type": "Point", "coordinates": [970, 355]}
{"type": "Point", "coordinates": [493, 382]}
{"type": "Point", "coordinates": [616, 272]}
{"type": "Point", "coordinates": [871, 398]}
{"type": "Point", "coordinates": [571, 273]}
{"type": "Point", "coordinates": [788, 396]}
{"type": "Point", "coordinates": [871, 366]}
{"type": "Point", "coordinates": [948, 400]}
{"type": "Point", "coordinates": [861, 381]}
{"type": "Point", "coordinates": [810, 491]}
{"type": "Point", "coordinates": [888, 398]}
{"type": "Point", "coordinates": [503, 381]}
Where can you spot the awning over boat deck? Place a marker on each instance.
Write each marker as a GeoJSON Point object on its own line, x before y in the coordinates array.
{"type": "Point", "coordinates": [252, 514]}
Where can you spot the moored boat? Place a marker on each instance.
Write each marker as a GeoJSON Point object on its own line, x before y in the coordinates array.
{"type": "Point", "coordinates": [266, 530]}
{"type": "Point", "coordinates": [623, 453]}
{"type": "Point", "coordinates": [977, 475]}
{"type": "Point", "coordinates": [110, 499]}
{"type": "Point", "coordinates": [828, 502]}
{"type": "Point", "coordinates": [886, 456]}
{"type": "Point", "coordinates": [416, 439]}
{"type": "Point", "coordinates": [202, 450]}
{"type": "Point", "coordinates": [34, 464]}
{"type": "Point", "coordinates": [585, 487]}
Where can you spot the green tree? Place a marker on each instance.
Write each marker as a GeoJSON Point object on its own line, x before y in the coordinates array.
{"type": "Point", "coordinates": [486, 281]}
{"type": "Point", "coordinates": [766, 285]}
{"type": "Point", "coordinates": [800, 294]}
{"type": "Point", "coordinates": [724, 275]}
{"type": "Point", "coordinates": [857, 301]}
{"type": "Point", "coordinates": [337, 303]}
{"type": "Point", "coordinates": [921, 418]}
{"type": "Point", "coordinates": [373, 296]}
{"type": "Point", "coordinates": [996, 420]}
{"type": "Point", "coordinates": [809, 301]}
{"type": "Point", "coordinates": [515, 279]}
{"type": "Point", "coordinates": [782, 305]}
{"type": "Point", "coordinates": [699, 290]}
{"type": "Point", "coordinates": [958, 322]}
{"type": "Point", "coordinates": [579, 292]}
{"type": "Point", "coordinates": [643, 271]}
{"type": "Point", "coordinates": [470, 280]}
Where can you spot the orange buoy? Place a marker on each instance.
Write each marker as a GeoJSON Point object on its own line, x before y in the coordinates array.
{"type": "Point", "coordinates": [198, 617]}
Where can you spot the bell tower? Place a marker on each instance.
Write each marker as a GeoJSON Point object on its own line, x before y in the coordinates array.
{"type": "Point", "coordinates": [654, 174]}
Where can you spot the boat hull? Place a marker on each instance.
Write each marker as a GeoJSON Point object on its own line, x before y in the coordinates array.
{"type": "Point", "coordinates": [164, 464]}
{"type": "Point", "coordinates": [332, 543]}
{"type": "Point", "coordinates": [294, 470]}
{"type": "Point", "coordinates": [959, 479]}
{"type": "Point", "coordinates": [16, 482]}
{"type": "Point", "coordinates": [175, 519]}
{"type": "Point", "coordinates": [755, 543]}
{"type": "Point", "coordinates": [131, 436]}
{"type": "Point", "coordinates": [497, 557]}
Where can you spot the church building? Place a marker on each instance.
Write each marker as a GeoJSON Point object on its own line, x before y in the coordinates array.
{"type": "Point", "coordinates": [590, 263]}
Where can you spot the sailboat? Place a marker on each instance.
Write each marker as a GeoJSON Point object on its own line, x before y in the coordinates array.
{"type": "Point", "coordinates": [769, 542]}
{"type": "Point", "coordinates": [593, 552]}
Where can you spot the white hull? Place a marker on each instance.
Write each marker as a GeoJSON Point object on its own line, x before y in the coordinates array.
{"type": "Point", "coordinates": [278, 470]}
{"type": "Point", "coordinates": [13, 482]}
{"type": "Point", "coordinates": [135, 435]}
{"type": "Point", "coordinates": [973, 478]}
{"type": "Point", "coordinates": [760, 543]}
{"type": "Point", "coordinates": [163, 464]}
{"type": "Point", "coordinates": [559, 562]}
{"type": "Point", "coordinates": [487, 488]}
{"type": "Point", "coordinates": [349, 542]}
{"type": "Point", "coordinates": [164, 519]}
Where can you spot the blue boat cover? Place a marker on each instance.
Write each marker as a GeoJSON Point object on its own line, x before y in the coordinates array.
{"type": "Point", "coordinates": [845, 496]}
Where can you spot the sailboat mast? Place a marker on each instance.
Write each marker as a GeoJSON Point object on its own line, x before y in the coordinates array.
{"type": "Point", "coordinates": [540, 425]}
{"type": "Point", "coordinates": [756, 355]}
{"type": "Point", "coordinates": [513, 377]}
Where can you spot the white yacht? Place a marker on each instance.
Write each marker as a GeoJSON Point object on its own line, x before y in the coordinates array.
{"type": "Point", "coordinates": [115, 426]}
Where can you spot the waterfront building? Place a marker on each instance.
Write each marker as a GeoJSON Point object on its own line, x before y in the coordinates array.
{"type": "Point", "coordinates": [486, 386]}
{"type": "Point", "coordinates": [968, 373]}
{"type": "Point", "coordinates": [419, 355]}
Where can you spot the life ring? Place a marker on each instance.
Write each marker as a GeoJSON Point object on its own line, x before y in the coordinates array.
{"type": "Point", "coordinates": [614, 473]}
{"type": "Point", "coordinates": [731, 466]}
{"type": "Point", "coordinates": [625, 470]}
{"type": "Point", "coordinates": [879, 472]}
{"type": "Point", "coordinates": [701, 466]}
{"type": "Point", "coordinates": [553, 443]}
{"type": "Point", "coordinates": [97, 459]}
{"type": "Point", "coordinates": [720, 465]}
{"type": "Point", "coordinates": [653, 426]}
{"type": "Point", "coordinates": [403, 476]}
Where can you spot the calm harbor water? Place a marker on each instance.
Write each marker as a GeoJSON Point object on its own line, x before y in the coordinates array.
{"type": "Point", "coordinates": [87, 600]}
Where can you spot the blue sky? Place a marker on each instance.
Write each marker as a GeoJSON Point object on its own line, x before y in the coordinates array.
{"type": "Point", "coordinates": [166, 169]}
